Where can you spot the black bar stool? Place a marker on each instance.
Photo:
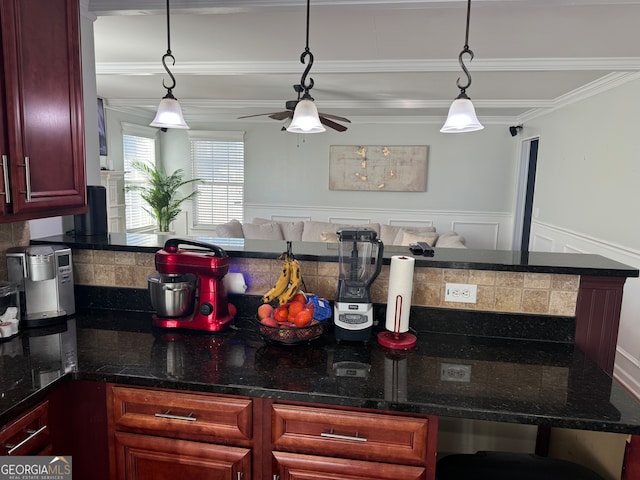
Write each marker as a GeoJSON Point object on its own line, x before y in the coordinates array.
{"type": "Point", "coordinates": [509, 466]}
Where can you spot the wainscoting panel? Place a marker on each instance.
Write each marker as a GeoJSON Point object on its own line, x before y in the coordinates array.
{"type": "Point", "coordinates": [481, 230]}
{"type": "Point", "coordinates": [627, 364]}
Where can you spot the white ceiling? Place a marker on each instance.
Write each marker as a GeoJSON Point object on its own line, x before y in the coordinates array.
{"type": "Point", "coordinates": [374, 59]}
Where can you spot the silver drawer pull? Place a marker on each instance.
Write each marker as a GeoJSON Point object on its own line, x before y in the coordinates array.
{"type": "Point", "coordinates": [337, 436]}
{"type": "Point", "coordinates": [32, 434]}
{"type": "Point", "coordinates": [176, 417]}
{"type": "Point", "coordinates": [5, 175]}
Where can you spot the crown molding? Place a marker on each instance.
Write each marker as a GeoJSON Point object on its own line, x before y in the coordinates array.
{"type": "Point", "coordinates": [373, 66]}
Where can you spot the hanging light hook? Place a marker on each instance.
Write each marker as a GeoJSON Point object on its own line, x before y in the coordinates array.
{"type": "Point", "coordinates": [303, 57]}
{"type": "Point", "coordinates": [465, 51]}
{"type": "Point", "coordinates": [168, 55]}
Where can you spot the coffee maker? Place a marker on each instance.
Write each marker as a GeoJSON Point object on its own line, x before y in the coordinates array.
{"type": "Point", "coordinates": [188, 292]}
{"type": "Point", "coordinates": [360, 263]}
{"type": "Point", "coordinates": [44, 275]}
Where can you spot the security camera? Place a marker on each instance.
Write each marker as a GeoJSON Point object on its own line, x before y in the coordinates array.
{"type": "Point", "coordinates": [514, 130]}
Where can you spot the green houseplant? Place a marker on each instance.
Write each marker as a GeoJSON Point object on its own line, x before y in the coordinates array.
{"type": "Point", "coordinates": [161, 192]}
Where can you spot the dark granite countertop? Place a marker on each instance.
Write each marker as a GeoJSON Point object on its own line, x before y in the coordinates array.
{"type": "Point", "coordinates": [517, 381]}
{"type": "Point", "coordinates": [460, 258]}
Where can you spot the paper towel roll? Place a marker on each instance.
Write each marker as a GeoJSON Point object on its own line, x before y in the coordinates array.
{"type": "Point", "coordinates": [400, 289]}
{"type": "Point", "coordinates": [234, 283]}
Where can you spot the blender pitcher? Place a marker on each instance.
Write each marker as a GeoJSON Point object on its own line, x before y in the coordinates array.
{"type": "Point", "coordinates": [360, 263]}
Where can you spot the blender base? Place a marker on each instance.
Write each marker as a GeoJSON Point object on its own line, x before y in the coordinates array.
{"type": "Point", "coordinates": [362, 335]}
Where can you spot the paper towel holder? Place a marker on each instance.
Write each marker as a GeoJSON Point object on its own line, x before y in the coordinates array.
{"type": "Point", "coordinates": [395, 339]}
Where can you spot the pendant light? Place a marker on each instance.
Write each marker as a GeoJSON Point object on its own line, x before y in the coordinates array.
{"type": "Point", "coordinates": [462, 116]}
{"type": "Point", "coordinates": [305, 116]}
{"type": "Point", "coordinates": [169, 113]}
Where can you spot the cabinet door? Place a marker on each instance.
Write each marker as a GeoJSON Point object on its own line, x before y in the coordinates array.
{"type": "Point", "coordinates": [43, 80]}
{"type": "Point", "coordinates": [157, 458]}
{"type": "Point", "coordinates": [291, 466]}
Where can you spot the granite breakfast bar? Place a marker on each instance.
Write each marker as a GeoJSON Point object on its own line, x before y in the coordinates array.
{"type": "Point", "coordinates": [541, 377]}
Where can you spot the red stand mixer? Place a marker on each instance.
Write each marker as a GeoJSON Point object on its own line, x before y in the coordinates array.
{"type": "Point", "coordinates": [187, 292]}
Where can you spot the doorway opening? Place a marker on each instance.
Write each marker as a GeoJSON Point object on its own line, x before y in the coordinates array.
{"type": "Point", "coordinates": [526, 190]}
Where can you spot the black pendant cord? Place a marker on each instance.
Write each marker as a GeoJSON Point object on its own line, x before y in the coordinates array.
{"type": "Point", "coordinates": [166, 56]}
{"type": "Point", "coordinates": [465, 51]}
{"type": "Point", "coordinates": [303, 57]}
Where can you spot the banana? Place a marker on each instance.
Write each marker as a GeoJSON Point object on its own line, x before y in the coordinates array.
{"type": "Point", "coordinates": [295, 280]}
{"type": "Point", "coordinates": [281, 284]}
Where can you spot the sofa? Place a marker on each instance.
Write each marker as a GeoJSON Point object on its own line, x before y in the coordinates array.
{"type": "Point", "coordinates": [318, 231]}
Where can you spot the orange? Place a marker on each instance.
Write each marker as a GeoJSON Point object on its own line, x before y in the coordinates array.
{"type": "Point", "coordinates": [294, 308]}
{"type": "Point", "coordinates": [299, 297]}
{"type": "Point", "coordinates": [303, 318]}
{"type": "Point", "coordinates": [281, 313]}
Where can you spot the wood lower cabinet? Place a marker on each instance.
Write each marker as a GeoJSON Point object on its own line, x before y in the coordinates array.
{"type": "Point", "coordinates": [166, 435]}
{"type": "Point", "coordinates": [313, 442]}
{"type": "Point", "coordinates": [157, 458]}
{"type": "Point", "coordinates": [29, 434]}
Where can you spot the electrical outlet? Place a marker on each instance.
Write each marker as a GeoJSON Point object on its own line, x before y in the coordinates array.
{"type": "Point", "coordinates": [460, 292]}
{"type": "Point", "coordinates": [455, 372]}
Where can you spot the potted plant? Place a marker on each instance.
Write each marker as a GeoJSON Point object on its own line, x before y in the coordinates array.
{"type": "Point", "coordinates": [161, 192]}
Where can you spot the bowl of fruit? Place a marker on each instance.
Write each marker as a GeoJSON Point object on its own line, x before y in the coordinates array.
{"type": "Point", "coordinates": [290, 323]}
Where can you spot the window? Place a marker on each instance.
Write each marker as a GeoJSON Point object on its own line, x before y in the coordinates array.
{"type": "Point", "coordinates": [217, 158]}
{"type": "Point", "coordinates": [139, 143]}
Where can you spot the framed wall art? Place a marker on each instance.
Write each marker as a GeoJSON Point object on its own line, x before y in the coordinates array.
{"type": "Point", "coordinates": [381, 168]}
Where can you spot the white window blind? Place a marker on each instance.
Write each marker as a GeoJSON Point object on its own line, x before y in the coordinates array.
{"type": "Point", "coordinates": [217, 158]}
{"type": "Point", "coordinates": [138, 144]}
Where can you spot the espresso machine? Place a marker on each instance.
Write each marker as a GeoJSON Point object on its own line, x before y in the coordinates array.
{"type": "Point", "coordinates": [187, 291]}
{"type": "Point", "coordinates": [360, 263]}
{"type": "Point", "coordinates": [44, 275]}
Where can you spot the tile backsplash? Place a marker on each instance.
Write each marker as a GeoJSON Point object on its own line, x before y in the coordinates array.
{"type": "Point", "coordinates": [512, 292]}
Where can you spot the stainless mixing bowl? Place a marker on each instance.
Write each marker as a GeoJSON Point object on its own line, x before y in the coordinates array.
{"type": "Point", "coordinates": [172, 296]}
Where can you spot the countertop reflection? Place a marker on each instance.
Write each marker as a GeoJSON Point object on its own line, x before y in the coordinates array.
{"type": "Point", "coordinates": [514, 381]}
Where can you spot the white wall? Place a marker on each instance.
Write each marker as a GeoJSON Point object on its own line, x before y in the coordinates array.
{"type": "Point", "coordinates": [470, 178]}
{"type": "Point", "coordinates": [588, 196]}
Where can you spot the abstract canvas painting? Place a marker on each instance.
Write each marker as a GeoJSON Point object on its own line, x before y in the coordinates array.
{"type": "Point", "coordinates": [382, 168]}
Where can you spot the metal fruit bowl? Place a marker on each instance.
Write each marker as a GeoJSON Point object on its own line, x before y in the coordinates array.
{"type": "Point", "coordinates": [292, 335]}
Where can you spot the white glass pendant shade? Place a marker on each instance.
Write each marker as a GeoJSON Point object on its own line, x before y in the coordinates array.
{"type": "Point", "coordinates": [305, 118]}
{"type": "Point", "coordinates": [169, 114]}
{"type": "Point", "coordinates": [462, 117]}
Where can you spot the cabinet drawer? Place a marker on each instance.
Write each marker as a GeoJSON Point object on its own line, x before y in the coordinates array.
{"type": "Point", "coordinates": [27, 435]}
{"type": "Point", "coordinates": [290, 466]}
{"type": "Point", "coordinates": [360, 435]}
{"type": "Point", "coordinates": [182, 415]}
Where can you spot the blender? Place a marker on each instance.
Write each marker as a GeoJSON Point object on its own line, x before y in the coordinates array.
{"type": "Point", "coordinates": [360, 263]}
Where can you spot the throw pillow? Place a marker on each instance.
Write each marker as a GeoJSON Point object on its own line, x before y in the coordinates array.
{"type": "Point", "coordinates": [331, 237]}
{"type": "Point", "coordinates": [390, 233]}
{"type": "Point", "coordinates": [410, 237]}
{"type": "Point", "coordinates": [264, 231]}
{"type": "Point", "coordinates": [290, 230]}
{"type": "Point", "coordinates": [451, 240]}
{"type": "Point", "coordinates": [231, 229]}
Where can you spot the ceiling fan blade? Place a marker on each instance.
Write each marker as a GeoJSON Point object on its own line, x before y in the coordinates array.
{"type": "Point", "coordinates": [257, 115]}
{"type": "Point", "coordinates": [335, 117]}
{"type": "Point", "coordinates": [281, 115]}
{"type": "Point", "coordinates": [330, 124]}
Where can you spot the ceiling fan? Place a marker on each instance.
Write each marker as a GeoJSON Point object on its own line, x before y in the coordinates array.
{"type": "Point", "coordinates": [290, 105]}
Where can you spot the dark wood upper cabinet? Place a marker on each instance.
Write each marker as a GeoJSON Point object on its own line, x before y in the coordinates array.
{"type": "Point", "coordinates": [42, 138]}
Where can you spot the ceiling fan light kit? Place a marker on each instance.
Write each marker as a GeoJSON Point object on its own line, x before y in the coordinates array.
{"type": "Point", "coordinates": [462, 115]}
{"type": "Point", "coordinates": [169, 114]}
{"type": "Point", "coordinates": [305, 118]}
